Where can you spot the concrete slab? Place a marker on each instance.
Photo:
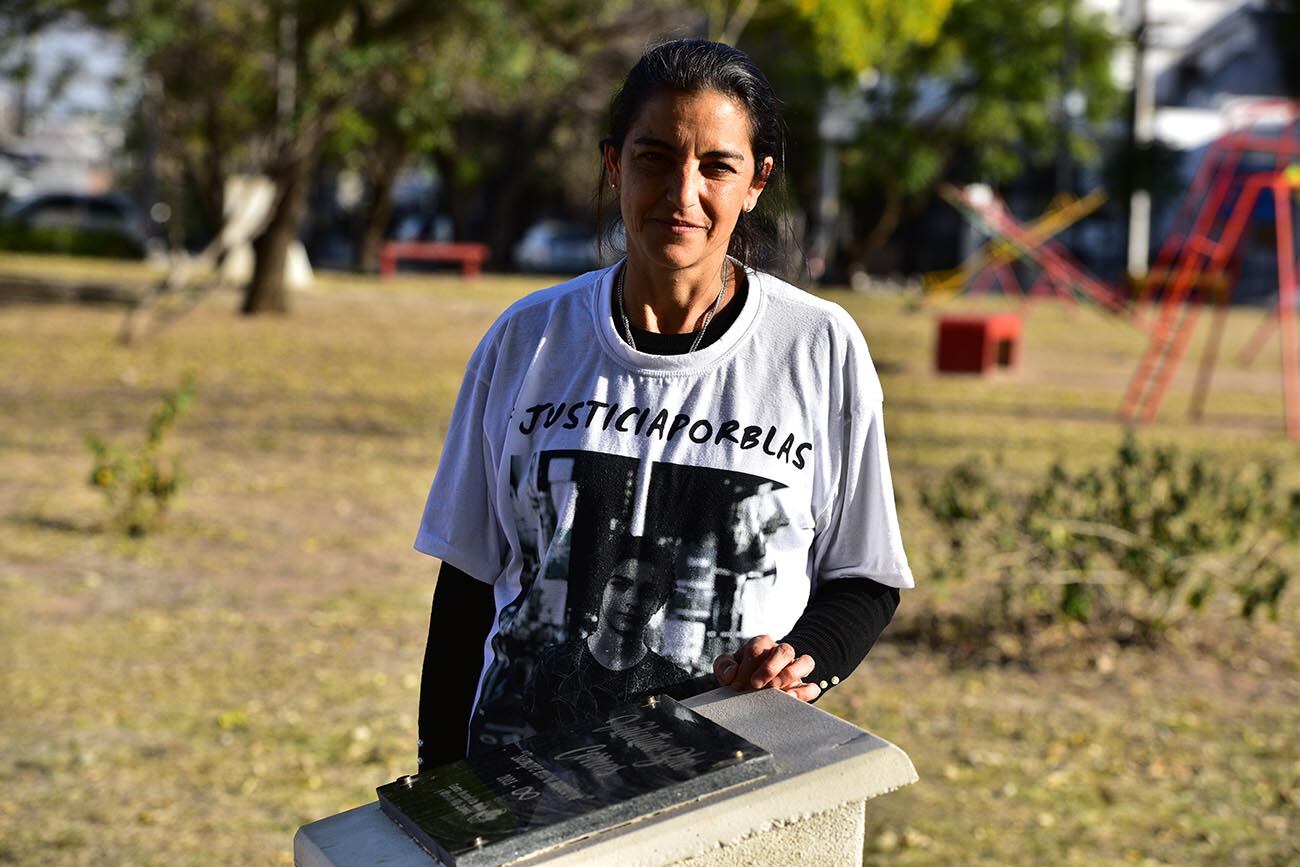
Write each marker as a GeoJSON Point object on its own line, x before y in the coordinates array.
{"type": "Point", "coordinates": [825, 769]}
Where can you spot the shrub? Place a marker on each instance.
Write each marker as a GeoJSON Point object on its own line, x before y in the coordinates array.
{"type": "Point", "coordinates": [69, 241]}
{"type": "Point", "coordinates": [140, 484]}
{"type": "Point", "coordinates": [1146, 540]}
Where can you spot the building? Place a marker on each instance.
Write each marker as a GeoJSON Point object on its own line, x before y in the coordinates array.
{"type": "Point", "coordinates": [63, 124]}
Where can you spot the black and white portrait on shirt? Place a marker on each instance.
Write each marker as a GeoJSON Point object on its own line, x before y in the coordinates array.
{"type": "Point", "coordinates": [624, 593]}
{"type": "Point", "coordinates": [615, 664]}
{"type": "Point", "coordinates": [670, 473]}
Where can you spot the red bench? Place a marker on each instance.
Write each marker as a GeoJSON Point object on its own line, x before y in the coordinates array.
{"type": "Point", "coordinates": [470, 256]}
{"type": "Point", "coordinates": [977, 344]}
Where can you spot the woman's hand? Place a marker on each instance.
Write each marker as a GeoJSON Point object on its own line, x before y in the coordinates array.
{"type": "Point", "coordinates": [761, 662]}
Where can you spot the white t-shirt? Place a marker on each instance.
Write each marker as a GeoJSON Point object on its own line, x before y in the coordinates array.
{"type": "Point", "coordinates": [741, 475]}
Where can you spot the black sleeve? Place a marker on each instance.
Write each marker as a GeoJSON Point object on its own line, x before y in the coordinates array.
{"type": "Point", "coordinates": [843, 619]}
{"type": "Point", "coordinates": [459, 621]}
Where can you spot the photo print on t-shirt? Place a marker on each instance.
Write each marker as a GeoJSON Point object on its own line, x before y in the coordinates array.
{"type": "Point", "coordinates": [636, 575]}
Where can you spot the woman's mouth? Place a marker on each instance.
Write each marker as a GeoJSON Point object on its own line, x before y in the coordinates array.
{"type": "Point", "coordinates": [679, 227]}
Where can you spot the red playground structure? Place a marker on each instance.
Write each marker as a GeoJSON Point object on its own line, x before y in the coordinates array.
{"type": "Point", "coordinates": [1250, 173]}
{"type": "Point", "coordinates": [1256, 163]}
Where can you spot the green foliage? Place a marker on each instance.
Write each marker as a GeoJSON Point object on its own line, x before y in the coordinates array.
{"type": "Point", "coordinates": [244, 86]}
{"type": "Point", "coordinates": [852, 37]}
{"type": "Point", "coordinates": [1145, 540]}
{"type": "Point", "coordinates": [985, 94]}
{"type": "Point", "coordinates": [140, 484]}
{"type": "Point", "coordinates": [979, 98]}
{"type": "Point", "coordinates": [68, 241]}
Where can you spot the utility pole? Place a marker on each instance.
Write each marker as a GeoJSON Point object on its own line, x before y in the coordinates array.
{"type": "Point", "coordinates": [1064, 104]}
{"type": "Point", "coordinates": [827, 213]}
{"type": "Point", "coordinates": [842, 115]}
{"type": "Point", "coordinates": [1140, 135]}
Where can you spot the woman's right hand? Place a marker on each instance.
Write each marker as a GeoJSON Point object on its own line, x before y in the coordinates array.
{"type": "Point", "coordinates": [762, 662]}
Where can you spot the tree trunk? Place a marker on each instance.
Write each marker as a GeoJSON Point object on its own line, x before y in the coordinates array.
{"type": "Point", "coordinates": [454, 196]}
{"type": "Point", "coordinates": [891, 214]}
{"type": "Point", "coordinates": [505, 228]}
{"type": "Point", "coordinates": [378, 210]}
{"type": "Point", "coordinates": [266, 292]}
{"type": "Point", "coordinates": [379, 207]}
{"type": "Point", "coordinates": [204, 167]}
{"type": "Point", "coordinates": [212, 175]}
{"type": "Point", "coordinates": [511, 218]}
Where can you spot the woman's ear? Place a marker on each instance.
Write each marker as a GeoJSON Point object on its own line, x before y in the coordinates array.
{"type": "Point", "coordinates": [760, 182]}
{"type": "Point", "coordinates": [611, 164]}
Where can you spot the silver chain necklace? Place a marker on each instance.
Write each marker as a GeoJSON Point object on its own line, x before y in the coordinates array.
{"type": "Point", "coordinates": [708, 317]}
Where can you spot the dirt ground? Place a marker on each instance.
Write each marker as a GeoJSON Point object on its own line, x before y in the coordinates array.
{"type": "Point", "coordinates": [194, 696]}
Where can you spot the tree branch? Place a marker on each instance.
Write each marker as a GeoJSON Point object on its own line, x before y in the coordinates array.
{"type": "Point", "coordinates": [737, 22]}
{"type": "Point", "coordinates": [1099, 530]}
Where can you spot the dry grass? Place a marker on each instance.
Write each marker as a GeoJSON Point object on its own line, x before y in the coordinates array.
{"type": "Point", "coordinates": [195, 696]}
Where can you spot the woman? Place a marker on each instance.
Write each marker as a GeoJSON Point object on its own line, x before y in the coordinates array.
{"type": "Point", "coordinates": [728, 421]}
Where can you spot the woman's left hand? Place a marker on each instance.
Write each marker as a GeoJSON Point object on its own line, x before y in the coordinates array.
{"type": "Point", "coordinates": [762, 662]}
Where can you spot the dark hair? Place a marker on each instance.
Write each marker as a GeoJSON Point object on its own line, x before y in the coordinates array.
{"type": "Point", "coordinates": [692, 66]}
{"type": "Point", "coordinates": [647, 551]}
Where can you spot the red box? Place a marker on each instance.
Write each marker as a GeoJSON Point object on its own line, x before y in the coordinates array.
{"type": "Point", "coordinates": [977, 344]}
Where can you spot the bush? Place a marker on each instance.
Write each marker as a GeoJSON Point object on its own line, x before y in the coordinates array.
{"type": "Point", "coordinates": [141, 484]}
{"type": "Point", "coordinates": [68, 241]}
{"type": "Point", "coordinates": [1144, 541]}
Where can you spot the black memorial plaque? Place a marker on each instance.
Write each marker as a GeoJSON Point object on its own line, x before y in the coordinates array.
{"type": "Point", "coordinates": [551, 788]}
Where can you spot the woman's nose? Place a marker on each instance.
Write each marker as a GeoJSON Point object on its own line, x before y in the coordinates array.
{"type": "Point", "coordinates": [684, 187]}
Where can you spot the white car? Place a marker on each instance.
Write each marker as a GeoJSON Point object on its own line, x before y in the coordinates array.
{"type": "Point", "coordinates": [557, 247]}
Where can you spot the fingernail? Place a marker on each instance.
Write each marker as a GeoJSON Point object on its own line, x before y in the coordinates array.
{"type": "Point", "coordinates": [728, 668]}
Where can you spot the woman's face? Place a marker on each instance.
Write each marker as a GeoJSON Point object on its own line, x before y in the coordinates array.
{"type": "Point", "coordinates": [685, 173]}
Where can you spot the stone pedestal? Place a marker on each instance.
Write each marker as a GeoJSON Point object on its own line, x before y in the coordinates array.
{"type": "Point", "coordinates": [810, 810]}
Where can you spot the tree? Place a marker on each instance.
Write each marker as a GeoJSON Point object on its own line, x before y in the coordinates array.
{"type": "Point", "coordinates": [329, 57]}
{"type": "Point", "coordinates": [496, 92]}
{"type": "Point", "coordinates": [486, 87]}
{"type": "Point", "coordinates": [815, 52]}
{"type": "Point", "coordinates": [845, 38]}
{"type": "Point", "coordinates": [20, 21]}
{"type": "Point", "coordinates": [990, 89]}
{"type": "Point", "coordinates": [974, 85]}
{"type": "Point", "coordinates": [531, 93]}
{"type": "Point", "coordinates": [256, 86]}
{"type": "Point", "coordinates": [199, 91]}
{"type": "Point", "coordinates": [22, 18]}
{"type": "Point", "coordinates": [409, 111]}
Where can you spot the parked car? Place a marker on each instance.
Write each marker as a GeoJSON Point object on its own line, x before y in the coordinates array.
{"type": "Point", "coordinates": [85, 224]}
{"type": "Point", "coordinates": [557, 247]}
